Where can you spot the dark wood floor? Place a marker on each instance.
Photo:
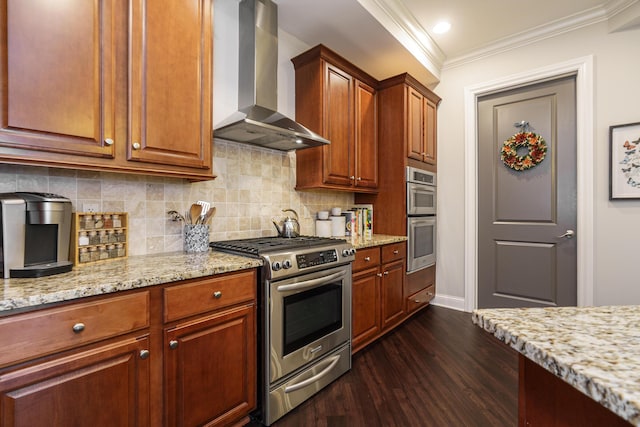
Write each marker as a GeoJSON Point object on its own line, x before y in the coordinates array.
{"type": "Point", "coordinates": [437, 369]}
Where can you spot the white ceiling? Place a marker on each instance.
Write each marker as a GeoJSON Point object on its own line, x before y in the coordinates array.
{"type": "Point", "coordinates": [387, 37]}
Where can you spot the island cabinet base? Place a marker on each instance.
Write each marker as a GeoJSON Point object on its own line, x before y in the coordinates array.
{"type": "Point", "coordinates": [545, 400]}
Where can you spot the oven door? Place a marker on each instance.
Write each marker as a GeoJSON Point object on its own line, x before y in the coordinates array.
{"type": "Point", "coordinates": [309, 316]}
{"type": "Point", "coordinates": [421, 242]}
{"type": "Point", "coordinates": [421, 199]}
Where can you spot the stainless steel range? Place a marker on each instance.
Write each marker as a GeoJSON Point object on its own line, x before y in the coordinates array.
{"type": "Point", "coordinates": [305, 315]}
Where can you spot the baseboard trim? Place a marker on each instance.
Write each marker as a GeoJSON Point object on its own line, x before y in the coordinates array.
{"type": "Point", "coordinates": [448, 301]}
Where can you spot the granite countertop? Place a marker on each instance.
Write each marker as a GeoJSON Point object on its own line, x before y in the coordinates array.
{"type": "Point", "coordinates": [376, 240]}
{"type": "Point", "coordinates": [594, 349]}
{"type": "Point", "coordinates": [117, 275]}
{"type": "Point", "coordinates": [132, 273]}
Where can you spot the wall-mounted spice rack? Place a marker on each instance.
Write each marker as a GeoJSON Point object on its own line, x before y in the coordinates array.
{"type": "Point", "coordinates": [99, 236]}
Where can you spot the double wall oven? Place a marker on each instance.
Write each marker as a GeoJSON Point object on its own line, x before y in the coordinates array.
{"type": "Point", "coordinates": [421, 219]}
{"type": "Point", "coordinates": [305, 317]}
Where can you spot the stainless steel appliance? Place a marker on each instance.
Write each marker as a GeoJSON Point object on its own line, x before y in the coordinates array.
{"type": "Point", "coordinates": [35, 229]}
{"type": "Point", "coordinates": [421, 219]}
{"type": "Point", "coordinates": [305, 315]}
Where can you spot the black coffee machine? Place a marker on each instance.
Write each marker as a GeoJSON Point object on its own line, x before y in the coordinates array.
{"type": "Point", "coordinates": [35, 229]}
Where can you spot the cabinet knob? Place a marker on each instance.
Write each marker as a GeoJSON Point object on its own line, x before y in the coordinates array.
{"type": "Point", "coordinates": [78, 327]}
{"type": "Point", "coordinates": [396, 252]}
{"type": "Point", "coordinates": [359, 178]}
{"type": "Point", "coordinates": [136, 145]}
{"type": "Point", "coordinates": [217, 294]}
{"type": "Point", "coordinates": [423, 154]}
{"type": "Point", "coordinates": [386, 273]}
{"type": "Point", "coordinates": [173, 344]}
{"type": "Point", "coordinates": [367, 258]}
{"type": "Point", "coordinates": [430, 294]}
{"type": "Point", "coordinates": [379, 274]}
{"type": "Point", "coordinates": [108, 141]}
{"type": "Point", "coordinates": [144, 354]}
{"type": "Point", "coordinates": [352, 177]}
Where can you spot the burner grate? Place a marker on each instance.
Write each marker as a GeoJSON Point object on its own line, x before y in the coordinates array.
{"type": "Point", "coordinates": [258, 246]}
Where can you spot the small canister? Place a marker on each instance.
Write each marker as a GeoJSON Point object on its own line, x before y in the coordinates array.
{"type": "Point", "coordinates": [121, 237]}
{"type": "Point", "coordinates": [111, 249]}
{"type": "Point", "coordinates": [112, 238]}
{"type": "Point", "coordinates": [94, 239]}
{"type": "Point", "coordinates": [120, 249]}
{"type": "Point", "coordinates": [99, 221]}
{"type": "Point", "coordinates": [93, 253]}
{"type": "Point", "coordinates": [88, 222]}
{"type": "Point", "coordinates": [104, 237]}
{"type": "Point", "coordinates": [83, 239]}
{"type": "Point", "coordinates": [103, 254]}
{"type": "Point", "coordinates": [84, 255]}
{"type": "Point", "coordinates": [117, 222]}
{"type": "Point", "coordinates": [108, 222]}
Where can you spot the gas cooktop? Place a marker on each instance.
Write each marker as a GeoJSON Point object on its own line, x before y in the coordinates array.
{"type": "Point", "coordinates": [266, 245]}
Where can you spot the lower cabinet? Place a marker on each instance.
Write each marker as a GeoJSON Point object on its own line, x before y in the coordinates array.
{"type": "Point", "coordinates": [378, 302]}
{"type": "Point", "coordinates": [210, 368]}
{"type": "Point", "coordinates": [103, 387]}
{"type": "Point", "coordinates": [421, 288]}
{"type": "Point", "coordinates": [182, 354]}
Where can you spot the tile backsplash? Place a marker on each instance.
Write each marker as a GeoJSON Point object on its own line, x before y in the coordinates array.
{"type": "Point", "coordinates": [252, 186]}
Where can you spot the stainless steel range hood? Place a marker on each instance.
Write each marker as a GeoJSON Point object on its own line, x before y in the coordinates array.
{"type": "Point", "coordinates": [257, 122]}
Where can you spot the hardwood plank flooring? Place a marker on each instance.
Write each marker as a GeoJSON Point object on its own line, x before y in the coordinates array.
{"type": "Point", "coordinates": [437, 369]}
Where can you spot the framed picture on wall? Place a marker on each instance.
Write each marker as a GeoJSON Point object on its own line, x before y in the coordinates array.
{"type": "Point", "coordinates": [624, 161]}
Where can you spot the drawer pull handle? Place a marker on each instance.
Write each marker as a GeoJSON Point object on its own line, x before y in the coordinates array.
{"type": "Point", "coordinates": [144, 354]}
{"type": "Point", "coordinates": [430, 294]}
{"type": "Point", "coordinates": [173, 344]}
{"type": "Point", "coordinates": [367, 258]}
{"type": "Point", "coordinates": [78, 327]}
{"type": "Point", "coordinates": [217, 294]}
{"type": "Point", "coordinates": [396, 252]}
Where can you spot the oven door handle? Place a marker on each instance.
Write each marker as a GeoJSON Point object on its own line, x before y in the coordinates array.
{"type": "Point", "coordinates": [334, 361]}
{"type": "Point", "coordinates": [310, 283]}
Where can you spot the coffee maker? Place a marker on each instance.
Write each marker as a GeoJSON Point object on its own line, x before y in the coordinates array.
{"type": "Point", "coordinates": [35, 229]}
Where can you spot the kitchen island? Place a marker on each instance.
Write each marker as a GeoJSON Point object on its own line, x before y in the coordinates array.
{"type": "Point", "coordinates": [574, 362]}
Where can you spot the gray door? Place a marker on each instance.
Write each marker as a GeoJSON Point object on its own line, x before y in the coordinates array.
{"type": "Point", "coordinates": [523, 260]}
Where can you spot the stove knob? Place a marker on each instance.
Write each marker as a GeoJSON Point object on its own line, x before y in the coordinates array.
{"type": "Point", "coordinates": [286, 264]}
{"type": "Point", "coordinates": [346, 252]}
{"type": "Point", "coordinates": [275, 265]}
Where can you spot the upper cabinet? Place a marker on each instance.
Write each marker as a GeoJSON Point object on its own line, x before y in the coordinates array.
{"type": "Point", "coordinates": [338, 101]}
{"type": "Point", "coordinates": [418, 106]}
{"type": "Point", "coordinates": [95, 85]}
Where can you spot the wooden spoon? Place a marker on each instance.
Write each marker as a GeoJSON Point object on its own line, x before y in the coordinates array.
{"type": "Point", "coordinates": [195, 212]}
{"type": "Point", "coordinates": [211, 212]}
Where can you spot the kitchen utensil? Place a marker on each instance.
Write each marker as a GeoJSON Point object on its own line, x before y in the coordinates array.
{"type": "Point", "coordinates": [289, 227]}
{"type": "Point", "coordinates": [205, 208]}
{"type": "Point", "coordinates": [194, 213]}
{"type": "Point", "coordinates": [210, 213]}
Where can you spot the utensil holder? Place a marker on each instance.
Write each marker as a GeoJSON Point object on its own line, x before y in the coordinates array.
{"type": "Point", "coordinates": [196, 238]}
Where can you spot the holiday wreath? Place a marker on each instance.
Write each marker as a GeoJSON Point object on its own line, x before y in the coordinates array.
{"type": "Point", "coordinates": [537, 150]}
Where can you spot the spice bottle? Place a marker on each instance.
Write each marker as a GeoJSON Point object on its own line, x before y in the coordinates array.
{"type": "Point", "coordinates": [104, 238]}
{"type": "Point", "coordinates": [94, 239]}
{"type": "Point", "coordinates": [120, 249]}
{"type": "Point", "coordinates": [117, 222]}
{"type": "Point", "coordinates": [84, 255]}
{"type": "Point", "coordinates": [99, 221]}
{"type": "Point", "coordinates": [83, 239]}
{"type": "Point", "coordinates": [88, 223]}
{"type": "Point", "coordinates": [111, 249]}
{"type": "Point", "coordinates": [121, 236]}
{"type": "Point", "coordinates": [93, 253]}
{"type": "Point", "coordinates": [112, 236]}
{"type": "Point", "coordinates": [102, 250]}
{"type": "Point", "coordinates": [108, 222]}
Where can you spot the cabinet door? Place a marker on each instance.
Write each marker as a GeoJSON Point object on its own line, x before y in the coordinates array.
{"type": "Point", "coordinates": [393, 302]}
{"type": "Point", "coordinates": [107, 386]}
{"type": "Point", "coordinates": [171, 72]}
{"type": "Point", "coordinates": [338, 123]}
{"type": "Point", "coordinates": [415, 124]}
{"type": "Point", "coordinates": [366, 126]}
{"type": "Point", "coordinates": [210, 369]}
{"type": "Point", "coordinates": [57, 77]}
{"type": "Point", "coordinates": [365, 316]}
{"type": "Point", "coordinates": [430, 111]}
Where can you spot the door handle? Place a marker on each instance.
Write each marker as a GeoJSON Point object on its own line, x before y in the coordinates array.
{"type": "Point", "coordinates": [568, 234]}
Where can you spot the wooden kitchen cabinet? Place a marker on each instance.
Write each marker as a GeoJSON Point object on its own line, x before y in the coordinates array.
{"type": "Point", "coordinates": [180, 354]}
{"type": "Point", "coordinates": [415, 108]}
{"type": "Point", "coordinates": [98, 85]}
{"type": "Point", "coordinates": [80, 364]}
{"type": "Point", "coordinates": [211, 359]}
{"type": "Point", "coordinates": [338, 101]}
{"type": "Point", "coordinates": [378, 303]}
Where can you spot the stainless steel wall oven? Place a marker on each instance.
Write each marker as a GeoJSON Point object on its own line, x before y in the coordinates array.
{"type": "Point", "coordinates": [421, 219]}
{"type": "Point", "coordinates": [305, 316]}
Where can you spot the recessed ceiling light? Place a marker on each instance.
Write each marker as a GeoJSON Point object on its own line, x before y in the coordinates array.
{"type": "Point", "coordinates": [442, 27]}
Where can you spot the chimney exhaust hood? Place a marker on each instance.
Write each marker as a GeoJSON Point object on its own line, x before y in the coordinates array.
{"type": "Point", "coordinates": [257, 121]}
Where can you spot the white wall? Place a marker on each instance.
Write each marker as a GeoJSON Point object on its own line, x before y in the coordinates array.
{"type": "Point", "coordinates": [617, 101]}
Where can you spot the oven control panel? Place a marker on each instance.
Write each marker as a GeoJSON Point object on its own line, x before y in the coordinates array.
{"type": "Point", "coordinates": [290, 263]}
{"type": "Point", "coordinates": [316, 258]}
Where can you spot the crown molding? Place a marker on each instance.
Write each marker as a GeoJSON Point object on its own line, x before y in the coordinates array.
{"type": "Point", "coordinates": [403, 25]}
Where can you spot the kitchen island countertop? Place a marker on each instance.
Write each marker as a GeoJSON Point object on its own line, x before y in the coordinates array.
{"type": "Point", "coordinates": [594, 349]}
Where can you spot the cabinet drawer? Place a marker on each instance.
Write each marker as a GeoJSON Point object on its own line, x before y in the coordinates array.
{"type": "Point", "coordinates": [366, 258]}
{"type": "Point", "coordinates": [420, 299]}
{"type": "Point", "coordinates": [29, 335]}
{"type": "Point", "coordinates": [209, 294]}
{"type": "Point", "coordinates": [393, 252]}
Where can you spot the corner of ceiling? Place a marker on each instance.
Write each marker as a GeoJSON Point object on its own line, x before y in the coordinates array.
{"type": "Point", "coordinates": [619, 21]}
{"type": "Point", "coordinates": [394, 16]}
